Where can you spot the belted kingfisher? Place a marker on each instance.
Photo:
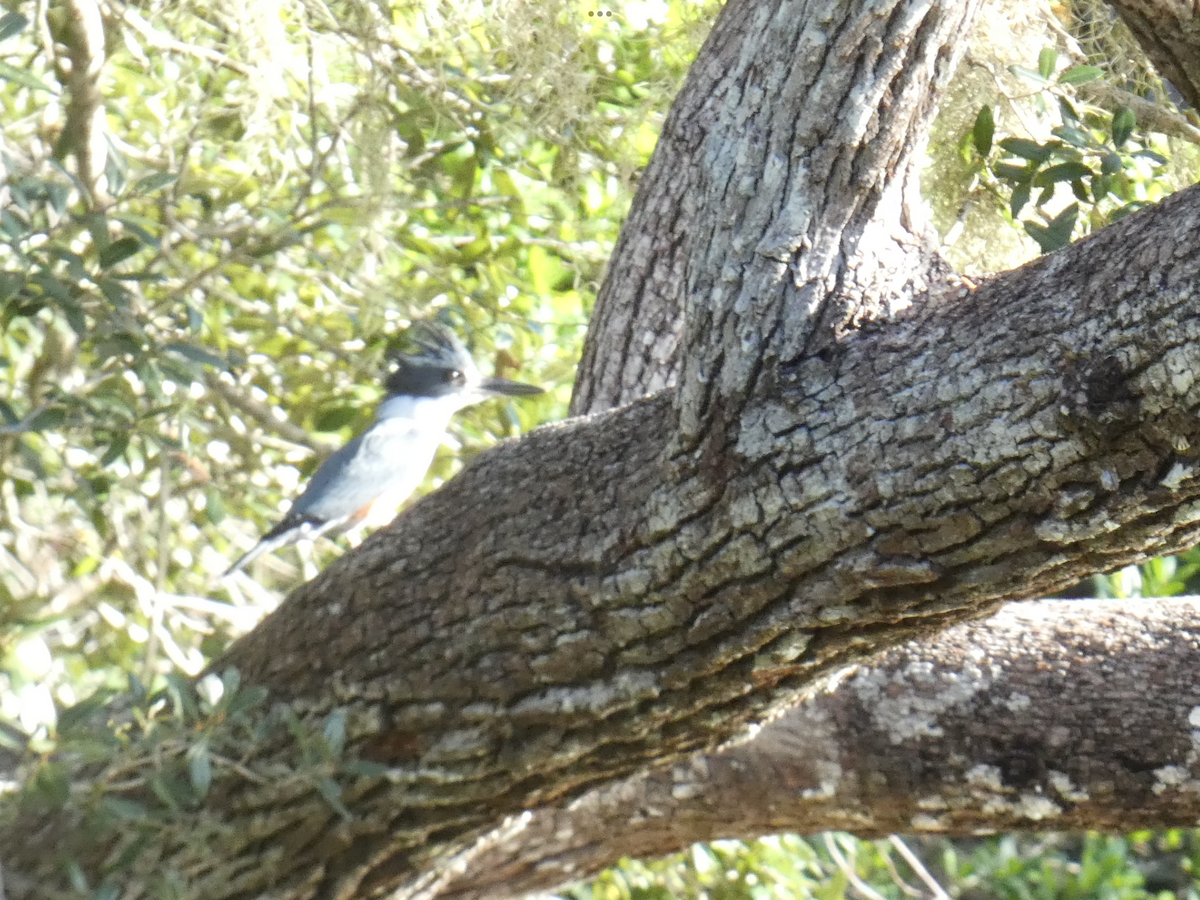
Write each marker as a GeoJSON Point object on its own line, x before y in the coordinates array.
{"type": "Point", "coordinates": [388, 461]}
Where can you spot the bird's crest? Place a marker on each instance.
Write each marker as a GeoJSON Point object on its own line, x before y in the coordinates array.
{"type": "Point", "coordinates": [438, 346]}
{"type": "Point", "coordinates": [438, 365]}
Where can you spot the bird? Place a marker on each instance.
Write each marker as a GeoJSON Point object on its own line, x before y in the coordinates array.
{"type": "Point", "coordinates": [387, 462]}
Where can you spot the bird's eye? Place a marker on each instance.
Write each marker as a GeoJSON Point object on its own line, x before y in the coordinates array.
{"type": "Point", "coordinates": [454, 376]}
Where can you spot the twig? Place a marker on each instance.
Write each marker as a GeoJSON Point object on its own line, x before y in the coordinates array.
{"type": "Point", "coordinates": [26, 424]}
{"type": "Point", "coordinates": [263, 415]}
{"type": "Point", "coordinates": [160, 41]}
{"type": "Point", "coordinates": [919, 869]}
{"type": "Point", "coordinates": [848, 870]}
{"type": "Point", "coordinates": [160, 576]}
{"type": "Point", "coordinates": [895, 873]}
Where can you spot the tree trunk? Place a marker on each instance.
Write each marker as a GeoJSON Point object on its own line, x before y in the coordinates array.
{"type": "Point", "coordinates": [856, 453]}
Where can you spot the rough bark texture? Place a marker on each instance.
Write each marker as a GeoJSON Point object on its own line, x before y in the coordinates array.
{"type": "Point", "coordinates": [1060, 714]}
{"type": "Point", "coordinates": [646, 583]}
{"type": "Point", "coordinates": [760, 208]}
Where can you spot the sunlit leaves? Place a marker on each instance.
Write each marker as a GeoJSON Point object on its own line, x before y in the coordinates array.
{"type": "Point", "coordinates": [1088, 152]}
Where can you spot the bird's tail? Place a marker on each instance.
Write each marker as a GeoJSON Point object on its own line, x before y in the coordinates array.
{"type": "Point", "coordinates": [286, 532]}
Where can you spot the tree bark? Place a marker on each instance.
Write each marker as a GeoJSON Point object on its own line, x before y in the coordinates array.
{"type": "Point", "coordinates": [855, 454]}
{"type": "Point", "coordinates": [1050, 714]}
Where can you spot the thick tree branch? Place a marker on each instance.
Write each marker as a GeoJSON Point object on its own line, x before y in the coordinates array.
{"type": "Point", "coordinates": [1050, 714]}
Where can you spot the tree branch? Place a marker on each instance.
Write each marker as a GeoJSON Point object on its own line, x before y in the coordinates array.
{"type": "Point", "coordinates": [83, 131]}
{"type": "Point", "coordinates": [1051, 714]}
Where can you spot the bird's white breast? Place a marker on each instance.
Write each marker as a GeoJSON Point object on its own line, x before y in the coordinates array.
{"type": "Point", "coordinates": [401, 443]}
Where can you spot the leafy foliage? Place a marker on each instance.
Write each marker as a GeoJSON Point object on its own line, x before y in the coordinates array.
{"type": "Point", "coordinates": [1094, 153]}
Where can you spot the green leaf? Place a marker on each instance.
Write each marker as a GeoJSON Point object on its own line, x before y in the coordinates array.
{"type": "Point", "coordinates": [1009, 172]}
{"type": "Point", "coordinates": [984, 130]}
{"type": "Point", "coordinates": [48, 419]}
{"type": "Point", "coordinates": [115, 170]}
{"type": "Point", "coordinates": [12, 226]}
{"type": "Point", "coordinates": [1047, 61]}
{"type": "Point", "coordinates": [183, 696]}
{"type": "Point", "coordinates": [333, 796]}
{"type": "Point", "coordinates": [170, 790]}
{"type": "Point", "coordinates": [196, 354]}
{"type": "Point", "coordinates": [200, 768]}
{"type": "Point", "coordinates": [335, 732]}
{"type": "Point", "coordinates": [1029, 75]}
{"type": "Point", "coordinates": [10, 283]}
{"type": "Point", "coordinates": [231, 680]}
{"type": "Point", "coordinates": [334, 418]}
{"type": "Point", "coordinates": [73, 313]}
{"type": "Point", "coordinates": [365, 768]}
{"type": "Point", "coordinates": [57, 195]}
{"type": "Point", "coordinates": [1068, 171]}
{"type": "Point", "coordinates": [126, 810]}
{"type": "Point", "coordinates": [503, 182]}
{"type": "Point", "coordinates": [155, 182]}
{"type": "Point", "coordinates": [51, 785]}
{"type": "Point", "coordinates": [97, 226]}
{"type": "Point", "coordinates": [1026, 149]}
{"type": "Point", "coordinates": [1080, 74]}
{"type": "Point", "coordinates": [12, 24]}
{"type": "Point", "coordinates": [116, 449]}
{"type": "Point", "coordinates": [114, 292]}
{"type": "Point", "coordinates": [1076, 137]}
{"type": "Point", "coordinates": [140, 230]}
{"type": "Point", "coordinates": [119, 251]}
{"type": "Point", "coordinates": [77, 878]}
{"type": "Point", "coordinates": [1123, 123]}
{"type": "Point", "coordinates": [214, 506]}
{"type": "Point", "coordinates": [1057, 234]}
{"type": "Point", "coordinates": [137, 690]}
{"type": "Point", "coordinates": [1020, 197]}
{"type": "Point", "coordinates": [541, 270]}
{"type": "Point", "coordinates": [1069, 114]}
{"type": "Point", "coordinates": [247, 698]}
{"type": "Point", "coordinates": [23, 78]}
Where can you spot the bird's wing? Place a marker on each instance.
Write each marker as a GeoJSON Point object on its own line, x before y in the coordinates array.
{"type": "Point", "coordinates": [385, 459]}
{"type": "Point", "coordinates": [390, 457]}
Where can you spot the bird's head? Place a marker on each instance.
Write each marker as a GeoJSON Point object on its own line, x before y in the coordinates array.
{"type": "Point", "coordinates": [442, 367]}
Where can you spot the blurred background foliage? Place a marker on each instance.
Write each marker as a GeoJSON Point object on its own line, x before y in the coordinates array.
{"type": "Point", "coordinates": [283, 186]}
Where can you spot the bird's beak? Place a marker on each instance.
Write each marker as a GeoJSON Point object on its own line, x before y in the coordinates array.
{"type": "Point", "coordinates": [500, 387]}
